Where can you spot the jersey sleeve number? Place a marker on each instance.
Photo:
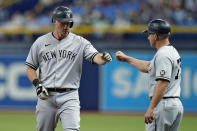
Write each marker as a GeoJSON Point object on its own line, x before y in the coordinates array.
{"type": "Point", "coordinates": [179, 69]}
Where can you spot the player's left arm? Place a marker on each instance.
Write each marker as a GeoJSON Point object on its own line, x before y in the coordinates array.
{"type": "Point", "coordinates": [102, 58]}
{"type": "Point", "coordinates": [158, 93]}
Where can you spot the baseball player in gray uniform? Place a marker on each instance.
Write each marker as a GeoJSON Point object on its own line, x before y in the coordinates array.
{"type": "Point", "coordinates": [58, 56]}
{"type": "Point", "coordinates": [165, 110]}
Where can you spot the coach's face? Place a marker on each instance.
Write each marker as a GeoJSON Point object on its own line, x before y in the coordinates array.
{"type": "Point", "coordinates": [61, 28]}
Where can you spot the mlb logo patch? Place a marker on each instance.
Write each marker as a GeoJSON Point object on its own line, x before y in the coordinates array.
{"type": "Point", "coordinates": [162, 72]}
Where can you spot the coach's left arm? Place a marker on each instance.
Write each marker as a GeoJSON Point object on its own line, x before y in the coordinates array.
{"type": "Point", "coordinates": [158, 94]}
{"type": "Point", "coordinates": [102, 58]}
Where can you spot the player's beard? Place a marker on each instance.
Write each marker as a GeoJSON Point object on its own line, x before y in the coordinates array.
{"type": "Point", "coordinates": [63, 34]}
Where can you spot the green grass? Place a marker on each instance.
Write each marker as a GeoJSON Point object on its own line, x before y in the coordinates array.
{"type": "Point", "coordinates": [89, 122]}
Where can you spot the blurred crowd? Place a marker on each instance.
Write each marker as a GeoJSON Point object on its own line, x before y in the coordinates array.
{"type": "Point", "coordinates": [177, 12]}
{"type": "Point", "coordinates": [104, 12]}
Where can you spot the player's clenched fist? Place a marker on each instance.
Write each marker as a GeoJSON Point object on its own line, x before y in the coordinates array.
{"type": "Point", "coordinates": [120, 56]}
{"type": "Point", "coordinates": [107, 57]}
{"type": "Point", "coordinates": [42, 92]}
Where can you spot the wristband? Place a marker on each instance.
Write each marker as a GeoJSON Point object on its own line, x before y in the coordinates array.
{"type": "Point", "coordinates": [36, 82]}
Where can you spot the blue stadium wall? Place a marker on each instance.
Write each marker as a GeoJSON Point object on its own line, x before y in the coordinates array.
{"type": "Point", "coordinates": [16, 92]}
{"type": "Point", "coordinates": [113, 87]}
{"type": "Point", "coordinates": [123, 88]}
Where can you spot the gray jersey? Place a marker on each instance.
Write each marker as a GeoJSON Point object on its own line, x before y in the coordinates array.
{"type": "Point", "coordinates": [60, 61]}
{"type": "Point", "coordinates": [166, 65]}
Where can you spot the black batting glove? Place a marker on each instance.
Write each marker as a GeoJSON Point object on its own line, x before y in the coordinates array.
{"type": "Point", "coordinates": [42, 92]}
{"type": "Point", "coordinates": [106, 56]}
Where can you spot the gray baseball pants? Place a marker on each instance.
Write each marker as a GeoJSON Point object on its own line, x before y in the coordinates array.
{"type": "Point", "coordinates": [168, 115]}
{"type": "Point", "coordinates": [65, 106]}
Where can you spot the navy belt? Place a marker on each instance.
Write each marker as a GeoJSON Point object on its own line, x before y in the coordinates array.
{"type": "Point", "coordinates": [168, 97]}
{"type": "Point", "coordinates": [60, 89]}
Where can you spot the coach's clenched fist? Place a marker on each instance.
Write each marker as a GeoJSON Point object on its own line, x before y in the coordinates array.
{"type": "Point", "coordinates": [120, 56]}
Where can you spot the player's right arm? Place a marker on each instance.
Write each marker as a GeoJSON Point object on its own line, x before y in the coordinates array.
{"type": "Point", "coordinates": [41, 91]}
{"type": "Point", "coordinates": [32, 65]}
{"type": "Point", "coordinates": [141, 65]}
{"type": "Point", "coordinates": [32, 61]}
{"type": "Point", "coordinates": [31, 73]}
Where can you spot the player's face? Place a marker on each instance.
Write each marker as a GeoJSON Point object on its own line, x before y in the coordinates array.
{"type": "Point", "coordinates": [62, 28]}
{"type": "Point", "coordinates": [151, 38]}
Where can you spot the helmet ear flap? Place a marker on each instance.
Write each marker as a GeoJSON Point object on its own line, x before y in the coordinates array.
{"type": "Point", "coordinates": [52, 20]}
{"type": "Point", "coordinates": [71, 24]}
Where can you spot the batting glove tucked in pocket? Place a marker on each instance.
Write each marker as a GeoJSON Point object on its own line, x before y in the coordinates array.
{"type": "Point", "coordinates": [107, 57]}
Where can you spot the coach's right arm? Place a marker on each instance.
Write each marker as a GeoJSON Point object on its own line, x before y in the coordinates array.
{"type": "Point", "coordinates": [141, 65]}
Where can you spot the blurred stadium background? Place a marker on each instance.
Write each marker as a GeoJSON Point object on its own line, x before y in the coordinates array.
{"type": "Point", "coordinates": [113, 97]}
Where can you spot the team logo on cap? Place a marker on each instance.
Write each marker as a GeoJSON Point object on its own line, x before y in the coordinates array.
{"type": "Point", "coordinates": [68, 15]}
{"type": "Point", "coordinates": [162, 72]}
